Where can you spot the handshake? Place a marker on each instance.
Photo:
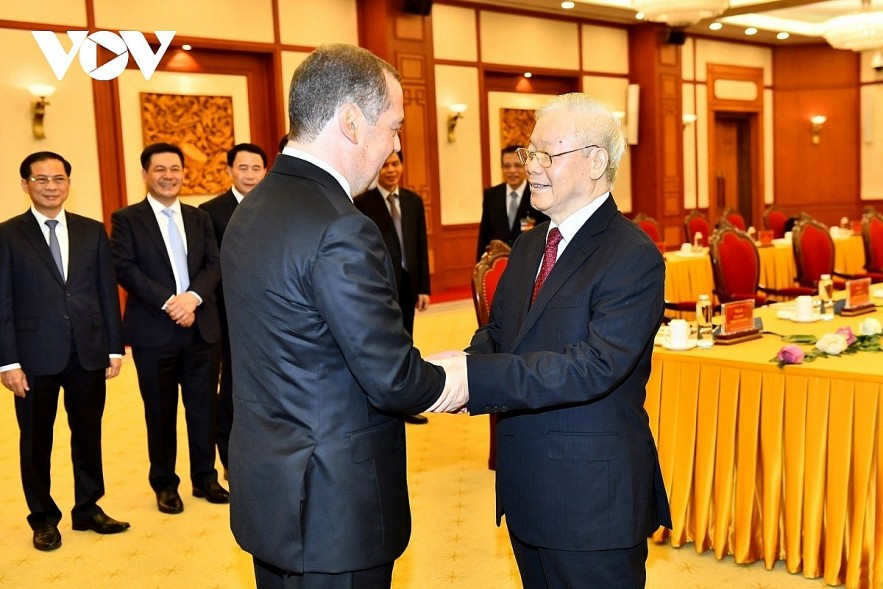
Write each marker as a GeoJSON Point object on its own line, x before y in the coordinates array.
{"type": "Point", "coordinates": [455, 395]}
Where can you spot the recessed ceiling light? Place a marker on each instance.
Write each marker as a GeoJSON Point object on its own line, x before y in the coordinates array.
{"type": "Point", "coordinates": [750, 31]}
{"type": "Point", "coordinates": [639, 15]}
{"type": "Point", "coordinates": [716, 26]}
{"type": "Point", "coordinates": [567, 5]}
{"type": "Point", "coordinates": [782, 36]}
{"type": "Point", "coordinates": [528, 75]}
{"type": "Point", "coordinates": [186, 47]}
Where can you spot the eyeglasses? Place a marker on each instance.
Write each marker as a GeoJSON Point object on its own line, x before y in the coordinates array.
{"type": "Point", "coordinates": [543, 158]}
{"type": "Point", "coordinates": [44, 180]}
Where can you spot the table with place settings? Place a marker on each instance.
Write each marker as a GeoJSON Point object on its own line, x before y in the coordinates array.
{"type": "Point", "coordinates": [768, 463]}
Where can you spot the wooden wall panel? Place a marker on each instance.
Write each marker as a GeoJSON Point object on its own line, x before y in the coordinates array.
{"type": "Point", "coordinates": [822, 179]}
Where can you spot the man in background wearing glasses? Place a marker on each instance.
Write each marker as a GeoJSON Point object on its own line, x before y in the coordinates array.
{"type": "Point", "coordinates": [564, 362]}
{"type": "Point", "coordinates": [59, 328]}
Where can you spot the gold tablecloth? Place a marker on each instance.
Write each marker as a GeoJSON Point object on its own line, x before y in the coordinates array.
{"type": "Point", "coordinates": [849, 254]}
{"type": "Point", "coordinates": [686, 277]}
{"type": "Point", "coordinates": [774, 464]}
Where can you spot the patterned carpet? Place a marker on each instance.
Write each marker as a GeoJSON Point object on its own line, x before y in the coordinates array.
{"type": "Point", "coordinates": [454, 544]}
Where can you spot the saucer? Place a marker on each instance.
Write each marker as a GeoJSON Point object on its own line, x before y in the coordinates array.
{"type": "Point", "coordinates": [812, 319]}
{"type": "Point", "coordinates": [691, 343]}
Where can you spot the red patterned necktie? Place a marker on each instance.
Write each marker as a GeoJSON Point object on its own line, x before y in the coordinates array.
{"type": "Point", "coordinates": [549, 256]}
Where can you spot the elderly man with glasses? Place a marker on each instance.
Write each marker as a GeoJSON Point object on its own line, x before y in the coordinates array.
{"type": "Point", "coordinates": [564, 361]}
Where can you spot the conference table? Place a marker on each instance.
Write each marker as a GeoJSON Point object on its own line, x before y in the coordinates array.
{"type": "Point", "coordinates": [688, 274]}
{"type": "Point", "coordinates": [768, 463]}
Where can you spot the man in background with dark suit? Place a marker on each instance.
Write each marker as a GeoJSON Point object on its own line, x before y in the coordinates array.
{"type": "Point", "coordinates": [399, 214]}
{"type": "Point", "coordinates": [166, 258]}
{"type": "Point", "coordinates": [564, 362]}
{"type": "Point", "coordinates": [246, 165]}
{"type": "Point", "coordinates": [506, 209]}
{"type": "Point", "coordinates": [323, 369]}
{"type": "Point", "coordinates": [59, 328]}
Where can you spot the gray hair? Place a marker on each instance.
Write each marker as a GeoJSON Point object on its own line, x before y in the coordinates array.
{"type": "Point", "coordinates": [331, 76]}
{"type": "Point", "coordinates": [598, 126]}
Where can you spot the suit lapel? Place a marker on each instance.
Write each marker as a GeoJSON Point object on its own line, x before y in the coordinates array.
{"type": "Point", "coordinates": [34, 234]}
{"type": "Point", "coordinates": [584, 243]}
{"type": "Point", "coordinates": [151, 227]}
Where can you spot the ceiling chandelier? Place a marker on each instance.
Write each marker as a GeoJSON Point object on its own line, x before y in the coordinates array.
{"type": "Point", "coordinates": [680, 13]}
{"type": "Point", "coordinates": [857, 31]}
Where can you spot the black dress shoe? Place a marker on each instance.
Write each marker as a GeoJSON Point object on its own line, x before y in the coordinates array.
{"type": "Point", "coordinates": [47, 537]}
{"type": "Point", "coordinates": [212, 492]}
{"type": "Point", "coordinates": [168, 501]}
{"type": "Point", "coordinates": [101, 523]}
{"type": "Point", "coordinates": [416, 419]}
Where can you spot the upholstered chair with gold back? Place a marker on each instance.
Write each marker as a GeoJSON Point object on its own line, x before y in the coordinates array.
{"type": "Point", "coordinates": [814, 254]}
{"type": "Point", "coordinates": [650, 226]}
{"type": "Point", "coordinates": [774, 219]}
{"type": "Point", "coordinates": [696, 222]}
{"type": "Point", "coordinates": [872, 236]}
{"type": "Point", "coordinates": [735, 266]}
{"type": "Point", "coordinates": [735, 218]}
{"type": "Point", "coordinates": [485, 278]}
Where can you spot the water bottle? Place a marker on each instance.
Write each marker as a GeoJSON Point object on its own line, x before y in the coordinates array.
{"type": "Point", "coordinates": [826, 297]}
{"type": "Point", "coordinates": [704, 328]}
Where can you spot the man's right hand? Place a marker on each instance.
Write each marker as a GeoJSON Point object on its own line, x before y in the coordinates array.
{"type": "Point", "coordinates": [16, 381]}
{"type": "Point", "coordinates": [456, 392]}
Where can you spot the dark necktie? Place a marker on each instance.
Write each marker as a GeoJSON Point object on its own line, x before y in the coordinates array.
{"type": "Point", "coordinates": [549, 256]}
{"type": "Point", "coordinates": [397, 221]}
{"type": "Point", "coordinates": [54, 247]}
{"type": "Point", "coordinates": [513, 208]}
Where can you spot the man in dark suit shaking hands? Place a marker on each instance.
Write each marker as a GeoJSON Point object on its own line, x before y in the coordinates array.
{"type": "Point", "coordinates": [564, 361]}
{"type": "Point", "coordinates": [166, 258]}
{"type": "Point", "coordinates": [506, 210]}
{"type": "Point", "coordinates": [323, 369]}
{"type": "Point", "coordinates": [399, 214]}
{"type": "Point", "coordinates": [247, 166]}
{"type": "Point", "coordinates": [59, 328]}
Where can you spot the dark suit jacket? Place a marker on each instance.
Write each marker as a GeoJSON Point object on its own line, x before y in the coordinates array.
{"type": "Point", "coordinates": [145, 271]}
{"type": "Point", "coordinates": [413, 234]}
{"type": "Point", "coordinates": [322, 370]}
{"type": "Point", "coordinates": [39, 311]}
{"type": "Point", "coordinates": [576, 463]}
{"type": "Point", "coordinates": [220, 209]}
{"type": "Point", "coordinates": [495, 216]}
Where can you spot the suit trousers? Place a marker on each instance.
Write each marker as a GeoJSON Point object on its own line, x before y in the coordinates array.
{"type": "Point", "coordinates": [407, 300]}
{"type": "Point", "coordinates": [545, 568]}
{"type": "Point", "coordinates": [84, 397]}
{"type": "Point", "coordinates": [270, 577]}
{"type": "Point", "coordinates": [225, 396]}
{"type": "Point", "coordinates": [185, 360]}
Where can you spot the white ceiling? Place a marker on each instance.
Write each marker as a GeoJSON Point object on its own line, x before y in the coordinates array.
{"type": "Point", "coordinates": [803, 19]}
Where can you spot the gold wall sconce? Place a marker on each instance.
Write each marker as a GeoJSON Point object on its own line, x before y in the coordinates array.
{"type": "Point", "coordinates": [457, 111]}
{"type": "Point", "coordinates": [817, 122]}
{"type": "Point", "coordinates": [688, 119]}
{"type": "Point", "coordinates": [41, 92]}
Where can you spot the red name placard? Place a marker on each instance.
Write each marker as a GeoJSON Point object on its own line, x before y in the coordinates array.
{"type": "Point", "coordinates": [738, 317]}
{"type": "Point", "coordinates": [858, 293]}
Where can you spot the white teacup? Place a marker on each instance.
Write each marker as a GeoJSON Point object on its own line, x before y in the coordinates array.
{"type": "Point", "coordinates": [678, 333]}
{"type": "Point", "coordinates": [686, 248]}
{"type": "Point", "coordinates": [803, 308]}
